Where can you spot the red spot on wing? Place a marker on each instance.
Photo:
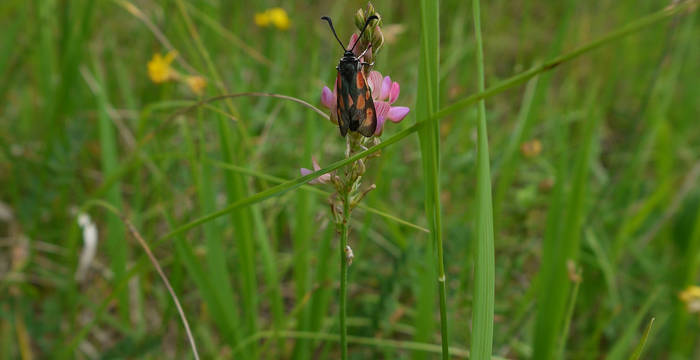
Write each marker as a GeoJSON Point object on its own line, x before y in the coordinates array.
{"type": "Point", "coordinates": [369, 122]}
{"type": "Point", "coordinates": [360, 102]}
{"type": "Point", "coordinates": [360, 80]}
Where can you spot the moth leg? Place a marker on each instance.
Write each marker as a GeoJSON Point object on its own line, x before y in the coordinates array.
{"type": "Point", "coordinates": [367, 64]}
{"type": "Point", "coordinates": [363, 53]}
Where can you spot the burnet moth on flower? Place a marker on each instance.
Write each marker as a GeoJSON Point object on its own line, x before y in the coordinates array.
{"type": "Point", "coordinates": [355, 110]}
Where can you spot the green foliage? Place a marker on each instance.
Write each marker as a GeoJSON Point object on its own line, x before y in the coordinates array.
{"type": "Point", "coordinates": [595, 235]}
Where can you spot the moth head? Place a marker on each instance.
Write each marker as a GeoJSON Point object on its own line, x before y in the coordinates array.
{"type": "Point", "coordinates": [330, 23]}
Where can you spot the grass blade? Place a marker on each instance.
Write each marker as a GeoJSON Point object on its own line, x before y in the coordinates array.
{"type": "Point", "coordinates": [625, 340]}
{"type": "Point", "coordinates": [484, 272]}
{"type": "Point", "coordinates": [110, 159]}
{"type": "Point", "coordinates": [640, 347]}
{"type": "Point", "coordinates": [426, 104]}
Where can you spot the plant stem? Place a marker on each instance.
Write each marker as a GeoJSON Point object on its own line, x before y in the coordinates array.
{"type": "Point", "coordinates": [344, 227]}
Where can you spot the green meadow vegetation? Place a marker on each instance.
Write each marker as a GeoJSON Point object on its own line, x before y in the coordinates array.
{"type": "Point", "coordinates": [541, 199]}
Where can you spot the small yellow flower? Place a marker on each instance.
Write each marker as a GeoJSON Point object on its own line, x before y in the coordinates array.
{"type": "Point", "coordinates": [159, 69]}
{"type": "Point", "coordinates": [691, 297]}
{"type": "Point", "coordinates": [196, 83]}
{"type": "Point", "coordinates": [279, 18]}
{"type": "Point", "coordinates": [275, 16]}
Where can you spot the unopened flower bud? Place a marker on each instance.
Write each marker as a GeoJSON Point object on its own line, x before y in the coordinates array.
{"type": "Point", "coordinates": [377, 40]}
{"type": "Point", "coordinates": [358, 198]}
{"type": "Point", "coordinates": [360, 19]}
{"type": "Point", "coordinates": [337, 183]}
{"type": "Point", "coordinates": [369, 33]}
{"type": "Point", "coordinates": [359, 169]}
{"type": "Point", "coordinates": [370, 9]}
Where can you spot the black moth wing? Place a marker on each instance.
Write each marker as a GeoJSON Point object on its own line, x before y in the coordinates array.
{"type": "Point", "coordinates": [355, 107]}
{"type": "Point", "coordinates": [368, 119]}
{"type": "Point", "coordinates": [341, 112]}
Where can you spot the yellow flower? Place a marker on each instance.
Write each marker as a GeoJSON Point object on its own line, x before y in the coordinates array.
{"type": "Point", "coordinates": [691, 297]}
{"type": "Point", "coordinates": [159, 69]}
{"type": "Point", "coordinates": [279, 17]}
{"type": "Point", "coordinates": [275, 16]}
{"type": "Point", "coordinates": [196, 83]}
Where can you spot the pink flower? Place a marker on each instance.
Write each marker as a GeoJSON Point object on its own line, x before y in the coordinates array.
{"type": "Point", "coordinates": [323, 179]}
{"type": "Point", "coordinates": [384, 93]}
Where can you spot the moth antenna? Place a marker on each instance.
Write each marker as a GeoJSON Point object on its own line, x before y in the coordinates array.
{"type": "Point", "coordinates": [330, 23]}
{"type": "Point", "coordinates": [369, 19]}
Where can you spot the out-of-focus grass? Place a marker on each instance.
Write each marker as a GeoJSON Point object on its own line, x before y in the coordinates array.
{"type": "Point", "coordinates": [427, 103]}
{"type": "Point", "coordinates": [613, 191]}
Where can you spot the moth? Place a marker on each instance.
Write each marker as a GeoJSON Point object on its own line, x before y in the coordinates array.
{"type": "Point", "coordinates": [355, 107]}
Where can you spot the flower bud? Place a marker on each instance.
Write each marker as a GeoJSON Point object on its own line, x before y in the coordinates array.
{"type": "Point", "coordinates": [358, 169]}
{"type": "Point", "coordinates": [337, 183]}
{"type": "Point", "coordinates": [377, 40]}
{"type": "Point", "coordinates": [370, 9]}
{"type": "Point", "coordinates": [360, 19]}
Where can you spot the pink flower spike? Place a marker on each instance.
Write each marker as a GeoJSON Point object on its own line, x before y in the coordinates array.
{"type": "Point", "coordinates": [384, 93]}
{"type": "Point", "coordinates": [386, 86]}
{"type": "Point", "coordinates": [397, 113]}
{"type": "Point", "coordinates": [394, 92]}
{"type": "Point", "coordinates": [328, 99]}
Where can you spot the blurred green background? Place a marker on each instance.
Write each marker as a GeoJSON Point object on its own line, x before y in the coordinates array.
{"type": "Point", "coordinates": [598, 159]}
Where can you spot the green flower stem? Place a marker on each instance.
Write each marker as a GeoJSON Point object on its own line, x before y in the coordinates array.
{"type": "Point", "coordinates": [344, 229]}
